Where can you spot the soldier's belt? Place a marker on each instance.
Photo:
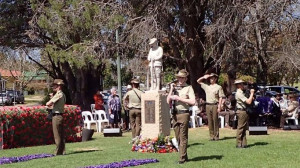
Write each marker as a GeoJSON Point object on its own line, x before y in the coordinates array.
{"type": "Point", "coordinates": [132, 108]}
{"type": "Point", "coordinates": [55, 114]}
{"type": "Point", "coordinates": [211, 103]}
{"type": "Point", "coordinates": [182, 111]}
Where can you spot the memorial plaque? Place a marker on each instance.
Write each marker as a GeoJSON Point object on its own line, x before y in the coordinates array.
{"type": "Point", "coordinates": [150, 111]}
{"type": "Point", "coordinates": [155, 114]}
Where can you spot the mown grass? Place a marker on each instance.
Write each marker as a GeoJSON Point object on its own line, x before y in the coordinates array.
{"type": "Point", "coordinates": [33, 99]}
{"type": "Point", "coordinates": [278, 149]}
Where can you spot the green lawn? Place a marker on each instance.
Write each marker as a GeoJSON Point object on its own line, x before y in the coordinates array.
{"type": "Point", "coordinates": [278, 149]}
{"type": "Point", "coordinates": [33, 99]}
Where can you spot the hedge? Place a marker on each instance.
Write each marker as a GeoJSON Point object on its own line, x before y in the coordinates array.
{"type": "Point", "coordinates": [28, 126]}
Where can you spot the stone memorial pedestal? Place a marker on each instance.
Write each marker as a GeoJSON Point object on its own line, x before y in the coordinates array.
{"type": "Point", "coordinates": [155, 114]}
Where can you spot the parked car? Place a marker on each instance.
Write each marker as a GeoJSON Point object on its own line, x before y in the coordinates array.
{"type": "Point", "coordinates": [20, 97]}
{"type": "Point", "coordinates": [5, 99]}
{"type": "Point", "coordinates": [283, 89]}
{"type": "Point", "coordinates": [270, 93]}
{"type": "Point", "coordinates": [16, 96]}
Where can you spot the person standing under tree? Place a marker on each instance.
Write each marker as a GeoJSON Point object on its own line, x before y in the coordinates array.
{"type": "Point", "coordinates": [214, 96]}
{"type": "Point", "coordinates": [58, 102]}
{"type": "Point", "coordinates": [98, 101]}
{"type": "Point", "coordinates": [241, 102]}
{"type": "Point", "coordinates": [134, 104]}
{"type": "Point", "coordinates": [114, 109]}
{"type": "Point", "coordinates": [183, 96]}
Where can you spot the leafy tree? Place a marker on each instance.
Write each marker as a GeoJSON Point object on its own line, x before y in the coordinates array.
{"type": "Point", "coordinates": [14, 19]}
{"type": "Point", "coordinates": [77, 37]}
{"type": "Point", "coordinates": [230, 36]}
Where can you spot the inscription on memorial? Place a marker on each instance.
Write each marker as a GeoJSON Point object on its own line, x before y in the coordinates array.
{"type": "Point", "coordinates": [149, 111]}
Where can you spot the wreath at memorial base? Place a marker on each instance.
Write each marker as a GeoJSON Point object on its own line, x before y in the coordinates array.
{"type": "Point", "coordinates": [160, 144]}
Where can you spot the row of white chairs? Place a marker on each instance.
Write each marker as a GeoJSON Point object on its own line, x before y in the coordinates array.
{"type": "Point", "coordinates": [98, 117]}
{"type": "Point", "coordinates": [93, 108]}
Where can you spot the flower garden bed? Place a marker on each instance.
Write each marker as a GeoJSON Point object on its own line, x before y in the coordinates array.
{"type": "Point", "coordinates": [28, 126]}
{"type": "Point", "coordinates": [159, 144]}
{"type": "Point", "coordinates": [9, 160]}
{"type": "Point", "coordinates": [126, 163]}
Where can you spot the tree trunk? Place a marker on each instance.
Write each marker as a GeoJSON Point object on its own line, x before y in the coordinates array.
{"type": "Point", "coordinates": [262, 68]}
{"type": "Point", "coordinates": [195, 66]}
{"type": "Point", "coordinates": [195, 37]}
{"type": "Point", "coordinates": [82, 85]}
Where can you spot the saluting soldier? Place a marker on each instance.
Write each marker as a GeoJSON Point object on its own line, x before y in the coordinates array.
{"type": "Point", "coordinates": [214, 95]}
{"type": "Point", "coordinates": [183, 98]}
{"type": "Point", "coordinates": [133, 97]}
{"type": "Point", "coordinates": [58, 103]}
{"type": "Point", "coordinates": [243, 117]}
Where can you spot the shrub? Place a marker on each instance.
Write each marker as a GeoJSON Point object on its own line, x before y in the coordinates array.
{"type": "Point", "coordinates": [28, 126]}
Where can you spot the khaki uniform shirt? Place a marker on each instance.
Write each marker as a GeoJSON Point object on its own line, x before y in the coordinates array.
{"type": "Point", "coordinates": [134, 98]}
{"type": "Point", "coordinates": [213, 92]}
{"type": "Point", "coordinates": [240, 99]}
{"type": "Point", "coordinates": [58, 100]}
{"type": "Point", "coordinates": [187, 92]}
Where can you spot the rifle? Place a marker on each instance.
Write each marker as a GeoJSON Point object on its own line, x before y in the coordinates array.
{"type": "Point", "coordinates": [153, 76]}
{"type": "Point", "coordinates": [173, 103]}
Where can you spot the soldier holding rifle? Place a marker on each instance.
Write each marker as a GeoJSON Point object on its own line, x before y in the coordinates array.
{"type": "Point", "coordinates": [183, 98]}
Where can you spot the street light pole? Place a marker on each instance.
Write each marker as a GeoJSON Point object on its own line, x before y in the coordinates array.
{"type": "Point", "coordinates": [118, 66]}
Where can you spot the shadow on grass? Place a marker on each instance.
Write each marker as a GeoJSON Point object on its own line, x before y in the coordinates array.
{"type": "Point", "coordinates": [258, 144]}
{"type": "Point", "coordinates": [225, 138]}
{"type": "Point", "coordinates": [199, 158]}
{"type": "Point", "coordinates": [83, 151]}
{"type": "Point", "coordinates": [195, 144]}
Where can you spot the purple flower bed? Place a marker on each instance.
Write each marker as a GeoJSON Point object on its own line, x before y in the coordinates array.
{"type": "Point", "coordinates": [8, 160]}
{"type": "Point", "coordinates": [126, 163]}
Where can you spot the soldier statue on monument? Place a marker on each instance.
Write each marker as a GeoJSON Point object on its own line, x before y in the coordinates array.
{"type": "Point", "coordinates": [155, 58]}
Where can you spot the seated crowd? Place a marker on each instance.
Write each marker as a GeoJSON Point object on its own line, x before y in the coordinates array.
{"type": "Point", "coordinates": [270, 111]}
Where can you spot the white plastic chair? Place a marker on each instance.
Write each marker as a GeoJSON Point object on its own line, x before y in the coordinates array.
{"type": "Point", "coordinates": [194, 117]}
{"type": "Point", "coordinates": [293, 117]}
{"type": "Point", "coordinates": [92, 107]}
{"type": "Point", "coordinates": [199, 121]}
{"type": "Point", "coordinates": [222, 121]}
{"type": "Point", "coordinates": [100, 117]}
{"type": "Point", "coordinates": [88, 120]}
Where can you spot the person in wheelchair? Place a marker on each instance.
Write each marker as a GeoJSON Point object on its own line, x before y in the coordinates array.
{"type": "Point", "coordinates": [291, 110]}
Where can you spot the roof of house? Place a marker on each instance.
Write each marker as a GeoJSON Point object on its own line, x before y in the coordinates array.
{"type": "Point", "coordinates": [41, 75]}
{"type": "Point", "coordinates": [9, 73]}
